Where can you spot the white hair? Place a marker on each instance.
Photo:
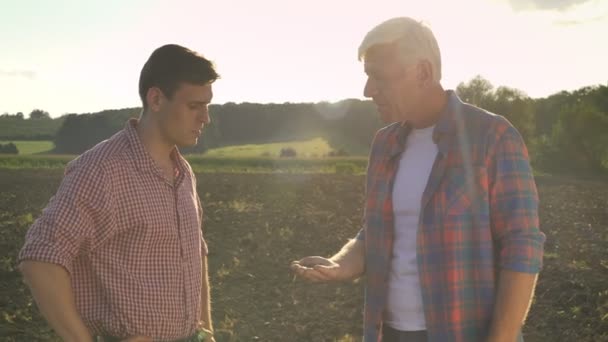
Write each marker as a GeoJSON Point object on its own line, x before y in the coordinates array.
{"type": "Point", "coordinates": [415, 41]}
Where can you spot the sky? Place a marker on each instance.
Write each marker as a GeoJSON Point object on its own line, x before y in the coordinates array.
{"type": "Point", "coordinates": [84, 56]}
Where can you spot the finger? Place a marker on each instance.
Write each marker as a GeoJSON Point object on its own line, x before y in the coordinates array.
{"type": "Point", "coordinates": [313, 275]}
{"type": "Point", "coordinates": [295, 265]}
{"type": "Point", "coordinates": [328, 272]}
{"type": "Point", "coordinates": [315, 260]}
{"type": "Point", "coordinates": [318, 276]}
{"type": "Point", "coordinates": [298, 269]}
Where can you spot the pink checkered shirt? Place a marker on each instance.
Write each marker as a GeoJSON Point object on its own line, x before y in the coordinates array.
{"type": "Point", "coordinates": [130, 240]}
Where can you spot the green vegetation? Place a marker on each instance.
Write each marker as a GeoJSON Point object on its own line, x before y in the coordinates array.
{"type": "Point", "coordinates": [34, 161]}
{"type": "Point", "coordinates": [16, 128]}
{"type": "Point", "coordinates": [204, 164]}
{"type": "Point", "coordinates": [31, 147]}
{"type": "Point", "coordinates": [317, 147]}
{"type": "Point", "coordinates": [566, 132]}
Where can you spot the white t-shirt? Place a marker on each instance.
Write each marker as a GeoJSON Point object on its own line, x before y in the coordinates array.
{"type": "Point", "coordinates": [404, 309]}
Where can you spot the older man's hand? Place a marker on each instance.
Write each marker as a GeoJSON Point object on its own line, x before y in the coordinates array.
{"type": "Point", "coordinates": [318, 269]}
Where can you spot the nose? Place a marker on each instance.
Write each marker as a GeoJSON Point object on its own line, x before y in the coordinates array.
{"type": "Point", "coordinates": [371, 88]}
{"type": "Point", "coordinates": [204, 117]}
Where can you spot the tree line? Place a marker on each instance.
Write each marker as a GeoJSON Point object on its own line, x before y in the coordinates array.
{"type": "Point", "coordinates": [348, 125]}
{"type": "Point", "coordinates": [567, 131]}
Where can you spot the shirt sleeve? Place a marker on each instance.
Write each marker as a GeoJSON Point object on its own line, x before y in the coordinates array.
{"type": "Point", "coordinates": [77, 219]}
{"type": "Point", "coordinates": [376, 149]}
{"type": "Point", "coordinates": [199, 208]}
{"type": "Point", "coordinates": [514, 206]}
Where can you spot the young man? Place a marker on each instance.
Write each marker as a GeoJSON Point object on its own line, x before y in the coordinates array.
{"type": "Point", "coordinates": [118, 253]}
{"type": "Point", "coordinates": [451, 245]}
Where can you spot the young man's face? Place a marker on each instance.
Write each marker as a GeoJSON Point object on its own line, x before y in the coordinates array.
{"type": "Point", "coordinates": [183, 117]}
{"type": "Point", "coordinates": [391, 84]}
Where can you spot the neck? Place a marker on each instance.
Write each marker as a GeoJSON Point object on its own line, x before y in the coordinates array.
{"type": "Point", "coordinates": [154, 142]}
{"type": "Point", "coordinates": [436, 100]}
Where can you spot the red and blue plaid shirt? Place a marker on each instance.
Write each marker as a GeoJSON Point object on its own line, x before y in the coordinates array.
{"type": "Point", "coordinates": [479, 214]}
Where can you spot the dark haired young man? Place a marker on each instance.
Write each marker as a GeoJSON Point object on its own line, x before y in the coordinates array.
{"type": "Point", "coordinates": [118, 253]}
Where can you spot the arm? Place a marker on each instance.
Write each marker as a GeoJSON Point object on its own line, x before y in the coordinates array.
{"type": "Point", "coordinates": [206, 321]}
{"type": "Point", "coordinates": [77, 219]}
{"type": "Point", "coordinates": [347, 264]}
{"type": "Point", "coordinates": [52, 290]}
{"type": "Point", "coordinates": [351, 259]}
{"type": "Point", "coordinates": [515, 227]}
{"type": "Point", "coordinates": [515, 292]}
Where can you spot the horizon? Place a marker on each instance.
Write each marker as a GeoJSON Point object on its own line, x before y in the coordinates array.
{"type": "Point", "coordinates": [64, 58]}
{"type": "Point", "coordinates": [139, 107]}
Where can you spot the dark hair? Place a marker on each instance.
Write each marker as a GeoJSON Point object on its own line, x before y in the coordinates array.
{"type": "Point", "coordinates": [169, 66]}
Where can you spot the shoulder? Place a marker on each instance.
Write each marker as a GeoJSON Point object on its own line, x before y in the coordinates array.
{"type": "Point", "coordinates": [101, 159]}
{"type": "Point", "coordinates": [382, 136]}
{"type": "Point", "coordinates": [484, 122]}
{"type": "Point", "coordinates": [487, 128]}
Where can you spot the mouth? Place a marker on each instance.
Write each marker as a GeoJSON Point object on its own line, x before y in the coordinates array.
{"type": "Point", "coordinates": [197, 132]}
{"type": "Point", "coordinates": [380, 104]}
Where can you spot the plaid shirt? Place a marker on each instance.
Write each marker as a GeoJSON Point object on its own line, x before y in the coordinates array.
{"type": "Point", "coordinates": [479, 214]}
{"type": "Point", "coordinates": [130, 240]}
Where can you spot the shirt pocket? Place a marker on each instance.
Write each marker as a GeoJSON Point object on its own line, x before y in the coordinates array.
{"type": "Point", "coordinates": [466, 191]}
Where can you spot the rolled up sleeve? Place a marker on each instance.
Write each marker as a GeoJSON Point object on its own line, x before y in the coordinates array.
{"type": "Point", "coordinates": [77, 219]}
{"type": "Point", "coordinates": [514, 206]}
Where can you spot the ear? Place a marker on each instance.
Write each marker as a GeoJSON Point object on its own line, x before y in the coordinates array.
{"type": "Point", "coordinates": [154, 98]}
{"type": "Point", "coordinates": [424, 73]}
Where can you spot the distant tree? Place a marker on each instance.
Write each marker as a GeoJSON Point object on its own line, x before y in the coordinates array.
{"type": "Point", "coordinates": [517, 107]}
{"type": "Point", "coordinates": [288, 152]}
{"type": "Point", "coordinates": [578, 141]}
{"type": "Point", "coordinates": [477, 91]}
{"type": "Point", "coordinates": [19, 116]}
{"type": "Point", "coordinates": [38, 114]}
{"type": "Point", "coordinates": [341, 152]}
{"type": "Point", "coordinates": [81, 132]}
{"type": "Point", "coordinates": [9, 148]}
{"type": "Point", "coordinates": [511, 103]}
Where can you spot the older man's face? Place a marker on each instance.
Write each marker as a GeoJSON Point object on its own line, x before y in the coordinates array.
{"type": "Point", "coordinates": [390, 83]}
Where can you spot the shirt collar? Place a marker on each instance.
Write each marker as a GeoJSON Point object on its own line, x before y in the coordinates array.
{"type": "Point", "coordinates": [141, 157]}
{"type": "Point", "coordinates": [446, 124]}
{"type": "Point", "coordinates": [444, 128]}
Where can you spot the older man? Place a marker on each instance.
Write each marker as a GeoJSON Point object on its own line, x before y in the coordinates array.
{"type": "Point", "coordinates": [451, 245]}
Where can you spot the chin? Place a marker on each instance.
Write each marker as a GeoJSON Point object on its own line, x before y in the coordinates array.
{"type": "Point", "coordinates": [187, 143]}
{"type": "Point", "coordinates": [386, 116]}
{"type": "Point", "coordinates": [387, 119]}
